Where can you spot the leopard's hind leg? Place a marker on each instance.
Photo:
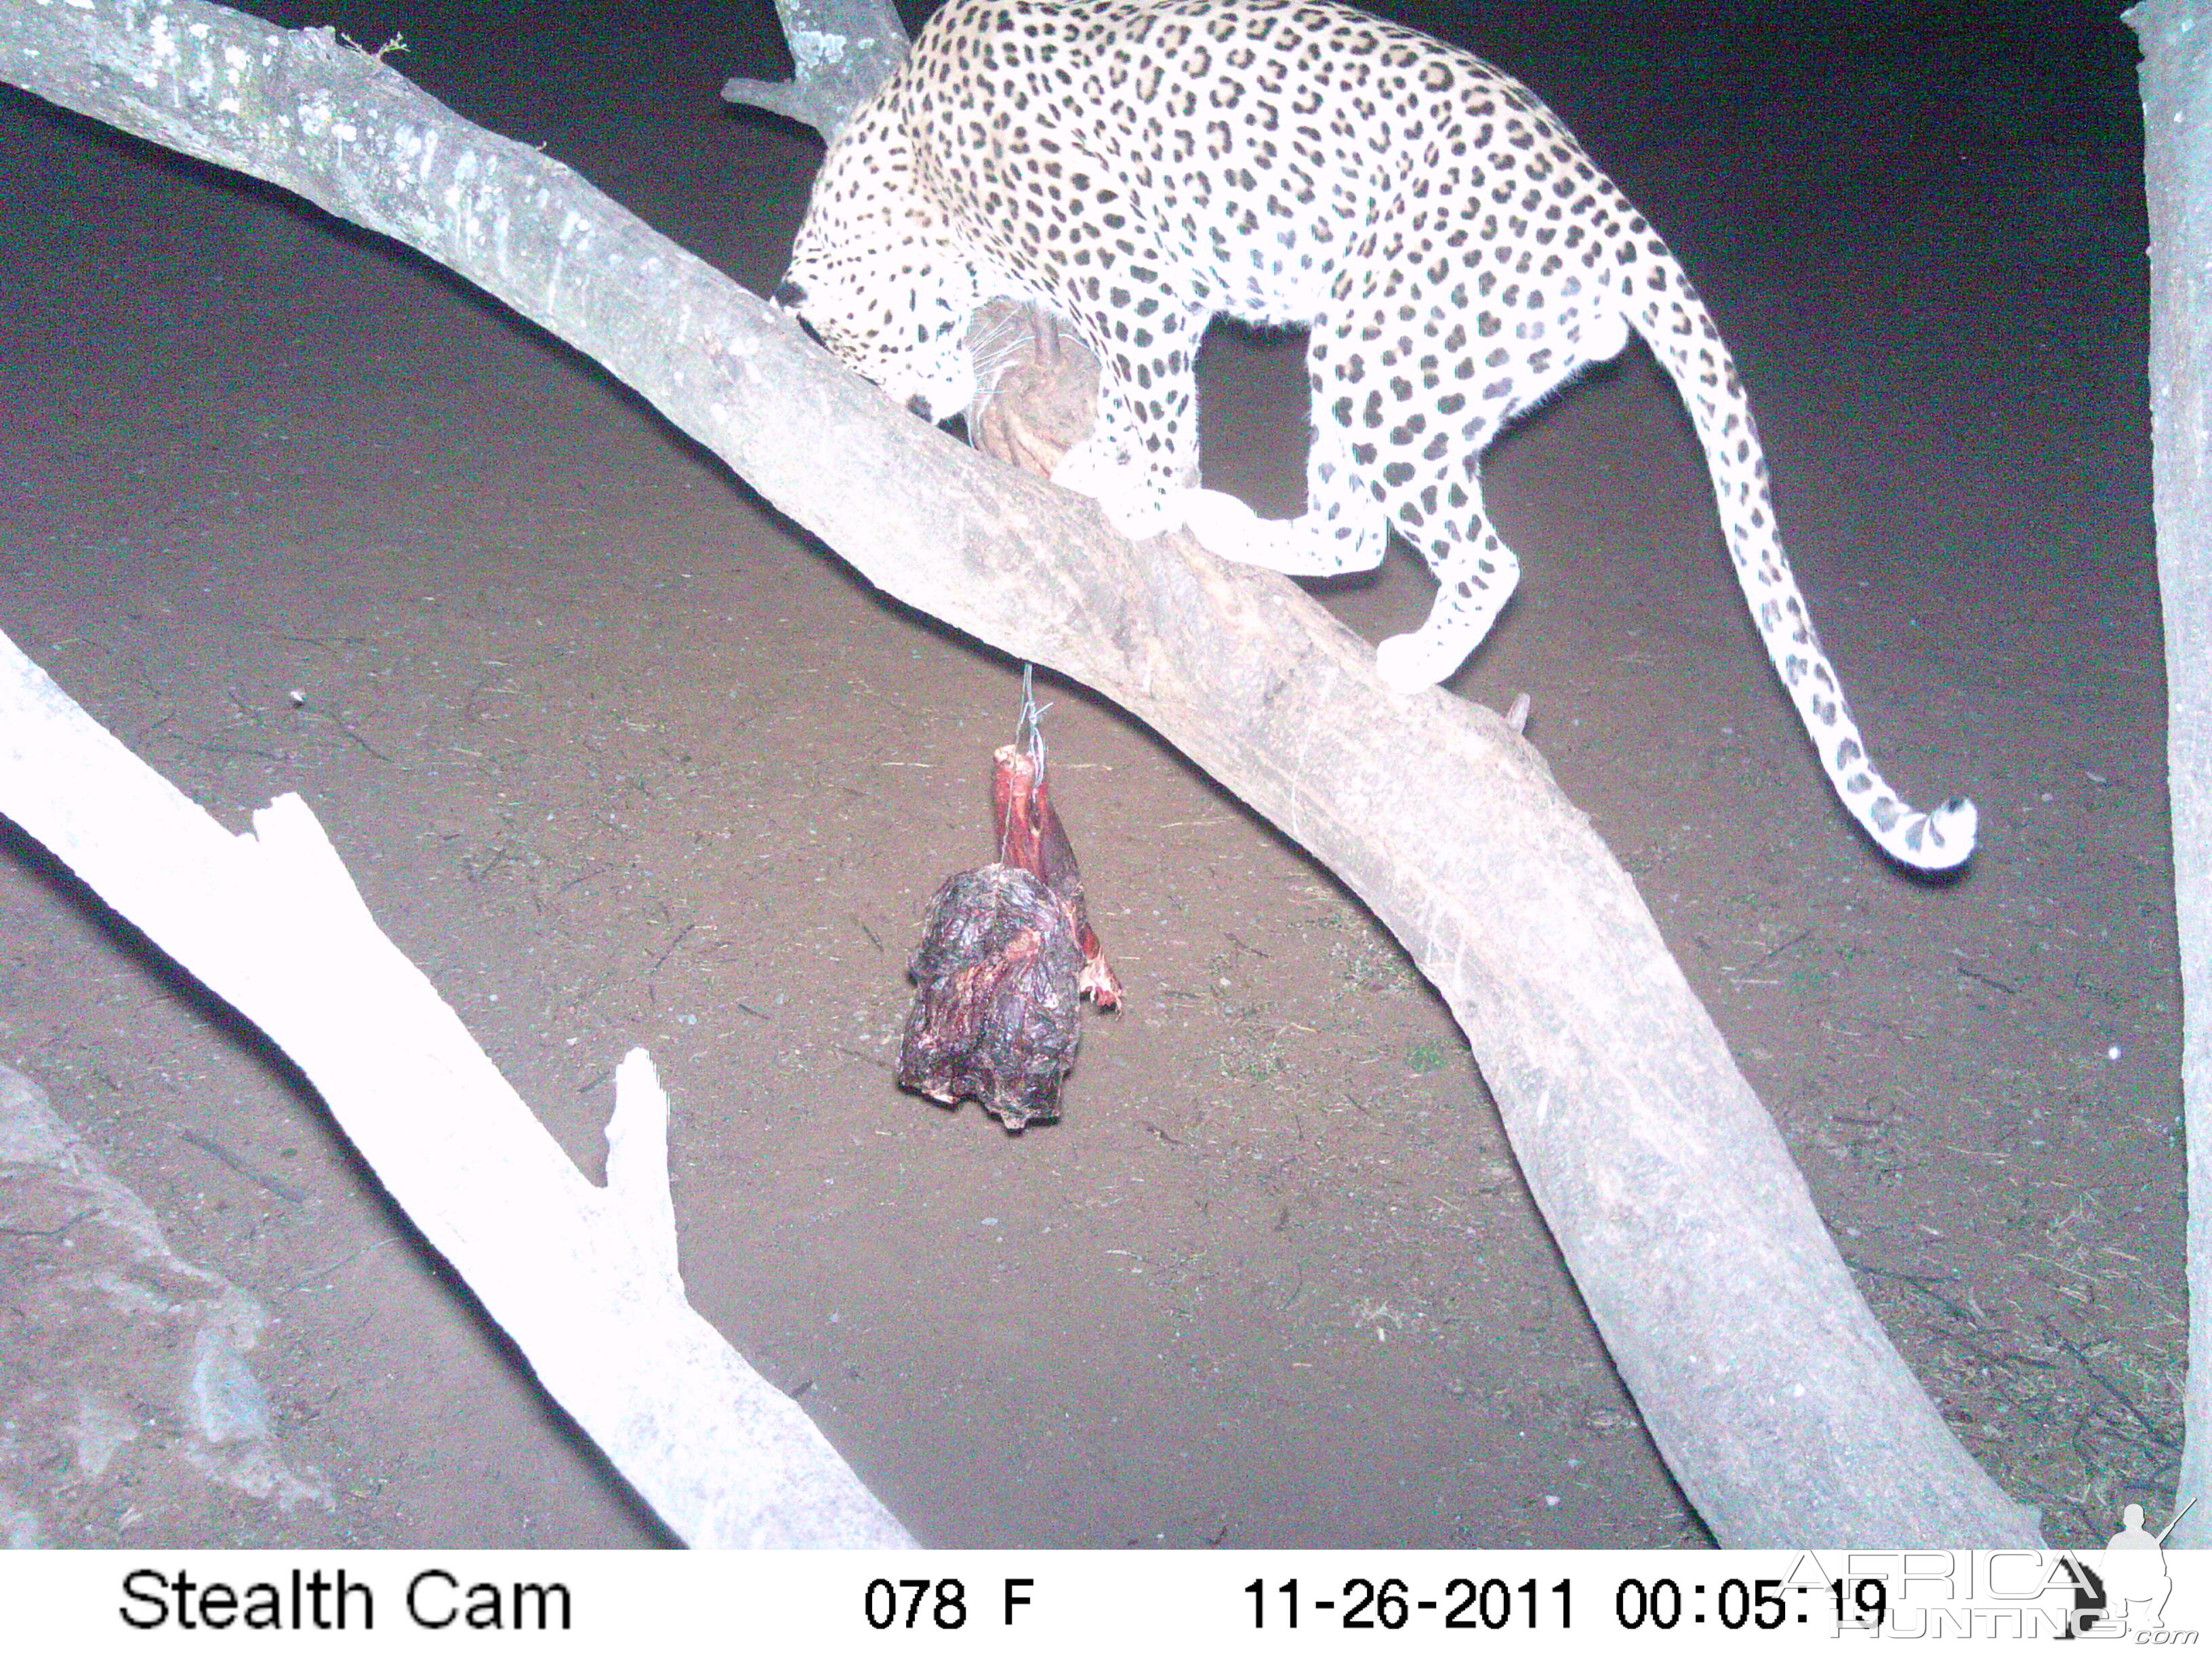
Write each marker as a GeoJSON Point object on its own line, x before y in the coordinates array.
{"type": "Point", "coordinates": [1415, 433]}
{"type": "Point", "coordinates": [1355, 495]}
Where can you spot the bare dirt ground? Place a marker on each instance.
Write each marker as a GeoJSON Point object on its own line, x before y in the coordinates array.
{"type": "Point", "coordinates": [620, 758]}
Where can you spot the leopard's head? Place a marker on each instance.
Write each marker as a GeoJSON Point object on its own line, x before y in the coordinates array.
{"type": "Point", "coordinates": [876, 276]}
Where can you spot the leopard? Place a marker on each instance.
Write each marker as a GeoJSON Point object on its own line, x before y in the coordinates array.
{"type": "Point", "coordinates": [1140, 167]}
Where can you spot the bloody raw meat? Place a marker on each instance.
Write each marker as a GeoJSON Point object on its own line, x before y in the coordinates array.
{"type": "Point", "coordinates": [1030, 838]}
{"type": "Point", "coordinates": [994, 1004]}
{"type": "Point", "coordinates": [1007, 955]}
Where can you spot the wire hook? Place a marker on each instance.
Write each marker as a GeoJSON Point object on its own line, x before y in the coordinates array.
{"type": "Point", "coordinates": [1028, 729]}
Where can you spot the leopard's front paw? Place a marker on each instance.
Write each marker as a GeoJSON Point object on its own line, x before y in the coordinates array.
{"type": "Point", "coordinates": [1084, 467]}
{"type": "Point", "coordinates": [1414, 662]}
{"type": "Point", "coordinates": [1122, 492]}
{"type": "Point", "coordinates": [1307, 545]}
{"type": "Point", "coordinates": [1224, 526]}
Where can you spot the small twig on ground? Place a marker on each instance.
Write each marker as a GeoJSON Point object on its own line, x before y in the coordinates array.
{"type": "Point", "coordinates": [2081, 1359]}
{"type": "Point", "coordinates": [1966, 972]}
{"type": "Point", "coordinates": [1926, 1284]}
{"type": "Point", "coordinates": [223, 1154]}
{"type": "Point", "coordinates": [1764, 957]}
{"type": "Point", "coordinates": [54, 1232]}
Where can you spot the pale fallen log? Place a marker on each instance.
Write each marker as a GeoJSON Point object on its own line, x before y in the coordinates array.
{"type": "Point", "coordinates": [1784, 1412]}
{"type": "Point", "coordinates": [583, 1279]}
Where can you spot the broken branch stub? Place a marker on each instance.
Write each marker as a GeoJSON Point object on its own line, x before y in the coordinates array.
{"type": "Point", "coordinates": [1782, 1408]}
{"type": "Point", "coordinates": [841, 52]}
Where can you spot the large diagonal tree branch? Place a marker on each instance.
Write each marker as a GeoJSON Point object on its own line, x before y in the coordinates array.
{"type": "Point", "coordinates": [1784, 1411]}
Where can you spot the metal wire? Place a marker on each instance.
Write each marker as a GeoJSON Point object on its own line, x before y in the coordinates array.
{"type": "Point", "coordinates": [1028, 729]}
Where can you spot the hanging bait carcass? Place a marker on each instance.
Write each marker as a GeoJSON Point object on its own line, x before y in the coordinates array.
{"type": "Point", "coordinates": [995, 1000]}
{"type": "Point", "coordinates": [1007, 955]}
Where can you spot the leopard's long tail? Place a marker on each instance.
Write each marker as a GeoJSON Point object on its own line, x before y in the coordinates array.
{"type": "Point", "coordinates": [1664, 309]}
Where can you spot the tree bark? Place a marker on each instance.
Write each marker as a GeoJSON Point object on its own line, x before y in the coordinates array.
{"type": "Point", "coordinates": [2177, 100]}
{"type": "Point", "coordinates": [1784, 1411]}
